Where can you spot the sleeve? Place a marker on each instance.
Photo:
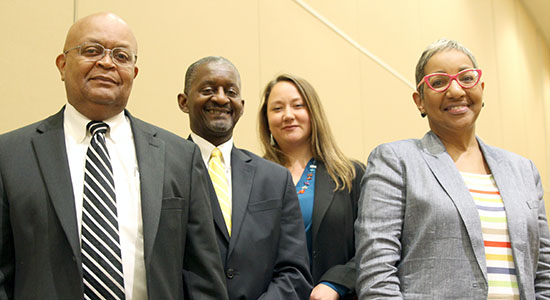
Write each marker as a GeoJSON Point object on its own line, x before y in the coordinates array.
{"type": "Point", "coordinates": [202, 259]}
{"type": "Point", "coordinates": [340, 289]}
{"type": "Point", "coordinates": [291, 277]}
{"type": "Point", "coordinates": [379, 225]}
{"type": "Point", "coordinates": [345, 275]}
{"type": "Point", "coordinates": [7, 259]}
{"type": "Point", "coordinates": [542, 278]}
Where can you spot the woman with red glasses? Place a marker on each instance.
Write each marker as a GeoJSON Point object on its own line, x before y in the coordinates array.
{"type": "Point", "coordinates": [448, 216]}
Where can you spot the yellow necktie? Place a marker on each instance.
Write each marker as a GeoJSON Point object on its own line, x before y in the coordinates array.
{"type": "Point", "coordinates": [217, 175]}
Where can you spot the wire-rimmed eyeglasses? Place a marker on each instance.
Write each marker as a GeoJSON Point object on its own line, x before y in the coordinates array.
{"type": "Point", "coordinates": [94, 51]}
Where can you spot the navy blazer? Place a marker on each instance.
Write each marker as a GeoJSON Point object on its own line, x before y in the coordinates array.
{"type": "Point", "coordinates": [333, 242]}
{"type": "Point", "coordinates": [419, 232]}
{"type": "Point", "coordinates": [39, 243]}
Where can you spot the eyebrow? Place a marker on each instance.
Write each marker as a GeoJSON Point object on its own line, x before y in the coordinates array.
{"type": "Point", "coordinates": [459, 70]}
{"type": "Point", "coordinates": [117, 45]}
{"type": "Point", "coordinates": [212, 82]}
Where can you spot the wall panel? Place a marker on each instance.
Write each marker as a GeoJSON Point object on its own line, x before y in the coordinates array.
{"type": "Point", "coordinates": [33, 34]}
{"type": "Point", "coordinates": [364, 103]}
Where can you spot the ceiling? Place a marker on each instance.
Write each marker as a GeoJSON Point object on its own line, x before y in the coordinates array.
{"type": "Point", "coordinates": [539, 10]}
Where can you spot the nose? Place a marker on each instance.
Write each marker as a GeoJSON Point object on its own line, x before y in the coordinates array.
{"type": "Point", "coordinates": [106, 60]}
{"type": "Point", "coordinates": [220, 97]}
{"type": "Point", "coordinates": [288, 115]}
{"type": "Point", "coordinates": [455, 90]}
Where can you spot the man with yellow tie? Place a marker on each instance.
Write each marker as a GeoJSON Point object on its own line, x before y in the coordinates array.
{"type": "Point", "coordinates": [255, 208]}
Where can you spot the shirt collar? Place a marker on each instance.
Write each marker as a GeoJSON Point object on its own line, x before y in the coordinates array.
{"type": "Point", "coordinates": [75, 125]}
{"type": "Point", "coordinates": [206, 149]}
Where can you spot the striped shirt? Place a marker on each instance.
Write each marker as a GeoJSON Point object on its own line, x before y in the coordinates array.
{"type": "Point", "coordinates": [501, 270]}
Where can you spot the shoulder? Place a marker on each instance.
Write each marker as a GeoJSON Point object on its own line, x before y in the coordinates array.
{"type": "Point", "coordinates": [20, 132]}
{"type": "Point", "coordinates": [54, 122]}
{"type": "Point", "coordinates": [358, 166]}
{"type": "Point", "coordinates": [262, 164]}
{"type": "Point", "coordinates": [401, 148]}
{"type": "Point", "coordinates": [141, 127]}
{"type": "Point", "coordinates": [502, 156]}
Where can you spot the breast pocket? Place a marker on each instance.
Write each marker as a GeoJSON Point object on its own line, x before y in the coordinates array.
{"type": "Point", "coordinates": [533, 204]}
{"type": "Point", "coordinates": [264, 205]}
{"type": "Point", "coordinates": [173, 214]}
{"type": "Point", "coordinates": [173, 203]}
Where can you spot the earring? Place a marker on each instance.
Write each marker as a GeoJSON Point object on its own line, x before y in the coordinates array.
{"type": "Point", "coordinates": [482, 104]}
{"type": "Point", "coordinates": [423, 114]}
{"type": "Point", "coordinates": [271, 139]}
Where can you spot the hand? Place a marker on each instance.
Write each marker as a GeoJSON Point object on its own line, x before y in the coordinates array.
{"type": "Point", "coordinates": [323, 292]}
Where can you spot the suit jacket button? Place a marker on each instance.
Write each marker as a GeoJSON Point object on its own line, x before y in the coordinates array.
{"type": "Point", "coordinates": [230, 273]}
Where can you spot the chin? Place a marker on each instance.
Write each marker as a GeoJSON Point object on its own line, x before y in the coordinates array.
{"type": "Point", "coordinates": [221, 127]}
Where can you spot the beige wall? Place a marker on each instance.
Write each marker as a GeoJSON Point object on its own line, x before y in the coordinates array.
{"type": "Point", "coordinates": [365, 104]}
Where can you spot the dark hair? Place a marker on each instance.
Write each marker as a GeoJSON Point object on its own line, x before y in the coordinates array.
{"type": "Point", "coordinates": [192, 70]}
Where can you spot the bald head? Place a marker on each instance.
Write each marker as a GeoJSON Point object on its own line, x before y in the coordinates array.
{"type": "Point", "coordinates": [108, 22]}
{"type": "Point", "coordinates": [98, 88]}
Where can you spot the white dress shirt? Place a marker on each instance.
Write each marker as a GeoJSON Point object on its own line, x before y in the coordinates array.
{"type": "Point", "coordinates": [120, 144]}
{"type": "Point", "coordinates": [206, 150]}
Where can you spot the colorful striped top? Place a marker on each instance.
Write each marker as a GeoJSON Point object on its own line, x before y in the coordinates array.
{"type": "Point", "coordinates": [501, 270]}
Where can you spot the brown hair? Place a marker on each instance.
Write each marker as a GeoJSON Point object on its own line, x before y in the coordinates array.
{"type": "Point", "coordinates": [322, 144]}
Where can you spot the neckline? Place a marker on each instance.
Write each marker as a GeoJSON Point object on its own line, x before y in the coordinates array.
{"type": "Point", "coordinates": [310, 168]}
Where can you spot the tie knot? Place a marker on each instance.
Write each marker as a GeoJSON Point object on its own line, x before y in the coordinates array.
{"type": "Point", "coordinates": [97, 127]}
{"type": "Point", "coordinates": [216, 153]}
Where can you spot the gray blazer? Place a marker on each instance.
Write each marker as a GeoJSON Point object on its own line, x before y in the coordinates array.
{"type": "Point", "coordinates": [419, 233]}
{"type": "Point", "coordinates": [39, 242]}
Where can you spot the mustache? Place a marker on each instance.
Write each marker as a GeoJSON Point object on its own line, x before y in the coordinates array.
{"type": "Point", "coordinates": [214, 105]}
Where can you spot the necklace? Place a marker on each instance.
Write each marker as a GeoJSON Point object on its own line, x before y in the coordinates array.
{"type": "Point", "coordinates": [312, 168]}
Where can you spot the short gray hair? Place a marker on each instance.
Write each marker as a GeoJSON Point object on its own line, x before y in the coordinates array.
{"type": "Point", "coordinates": [192, 70]}
{"type": "Point", "coordinates": [434, 48]}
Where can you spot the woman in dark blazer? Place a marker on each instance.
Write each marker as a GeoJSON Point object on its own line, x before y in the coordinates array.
{"type": "Point", "coordinates": [295, 134]}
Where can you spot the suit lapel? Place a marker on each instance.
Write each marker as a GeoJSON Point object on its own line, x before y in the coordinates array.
{"type": "Point", "coordinates": [242, 176]}
{"type": "Point", "coordinates": [149, 152]}
{"type": "Point", "coordinates": [323, 197]}
{"type": "Point", "coordinates": [448, 176]}
{"type": "Point", "coordinates": [51, 153]}
{"type": "Point", "coordinates": [507, 187]}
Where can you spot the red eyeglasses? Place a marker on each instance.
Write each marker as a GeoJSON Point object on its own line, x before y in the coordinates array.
{"type": "Point", "coordinates": [440, 82]}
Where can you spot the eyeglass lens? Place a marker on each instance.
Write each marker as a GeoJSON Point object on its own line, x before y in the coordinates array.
{"type": "Point", "coordinates": [466, 79]}
{"type": "Point", "coordinates": [95, 52]}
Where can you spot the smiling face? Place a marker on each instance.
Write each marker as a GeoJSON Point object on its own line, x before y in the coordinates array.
{"type": "Point", "coordinates": [288, 116]}
{"type": "Point", "coordinates": [213, 102]}
{"type": "Point", "coordinates": [455, 110]}
{"type": "Point", "coordinates": [98, 90]}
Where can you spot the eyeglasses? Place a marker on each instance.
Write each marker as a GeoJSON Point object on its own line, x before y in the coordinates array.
{"type": "Point", "coordinates": [93, 52]}
{"type": "Point", "coordinates": [440, 82]}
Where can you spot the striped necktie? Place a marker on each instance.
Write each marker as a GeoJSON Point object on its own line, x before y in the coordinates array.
{"type": "Point", "coordinates": [101, 259]}
{"type": "Point", "coordinates": [219, 180]}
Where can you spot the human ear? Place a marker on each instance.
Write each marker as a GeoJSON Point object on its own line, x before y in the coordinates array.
{"type": "Point", "coordinates": [60, 62]}
{"type": "Point", "coordinates": [182, 102]}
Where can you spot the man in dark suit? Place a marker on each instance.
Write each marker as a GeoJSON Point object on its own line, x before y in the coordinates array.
{"type": "Point", "coordinates": [261, 236]}
{"type": "Point", "coordinates": [61, 236]}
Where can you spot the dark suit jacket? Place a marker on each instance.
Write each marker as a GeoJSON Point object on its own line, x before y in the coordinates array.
{"type": "Point", "coordinates": [332, 232]}
{"type": "Point", "coordinates": [39, 244]}
{"type": "Point", "coordinates": [266, 256]}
